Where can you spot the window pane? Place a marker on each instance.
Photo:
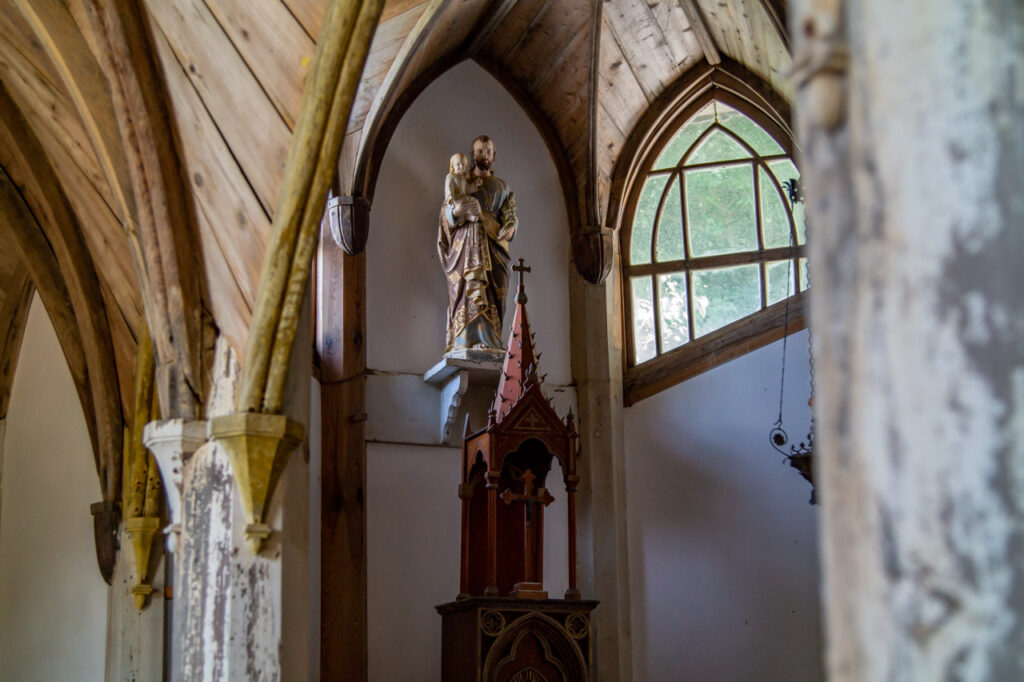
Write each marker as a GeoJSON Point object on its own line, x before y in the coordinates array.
{"type": "Point", "coordinates": [673, 306]}
{"type": "Point", "coordinates": [643, 221]}
{"type": "Point", "coordinates": [803, 274]}
{"type": "Point", "coordinates": [724, 295]}
{"type": "Point", "coordinates": [785, 170]}
{"type": "Point", "coordinates": [717, 146]}
{"type": "Point", "coordinates": [773, 214]}
{"type": "Point", "coordinates": [670, 228]}
{"type": "Point", "coordinates": [720, 210]}
{"type": "Point", "coordinates": [752, 134]}
{"type": "Point", "coordinates": [643, 319]}
{"type": "Point", "coordinates": [682, 140]}
{"type": "Point", "coordinates": [781, 280]}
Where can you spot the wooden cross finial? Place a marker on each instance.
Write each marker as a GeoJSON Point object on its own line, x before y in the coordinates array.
{"type": "Point", "coordinates": [521, 268]}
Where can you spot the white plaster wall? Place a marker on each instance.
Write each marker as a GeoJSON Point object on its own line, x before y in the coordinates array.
{"type": "Point", "coordinates": [52, 598]}
{"type": "Point", "coordinates": [723, 545]}
{"type": "Point", "coordinates": [412, 504]}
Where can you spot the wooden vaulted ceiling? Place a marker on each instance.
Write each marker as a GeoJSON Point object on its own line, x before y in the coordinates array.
{"type": "Point", "coordinates": [230, 74]}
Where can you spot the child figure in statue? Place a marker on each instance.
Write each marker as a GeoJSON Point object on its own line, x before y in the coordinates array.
{"type": "Point", "coordinates": [460, 183]}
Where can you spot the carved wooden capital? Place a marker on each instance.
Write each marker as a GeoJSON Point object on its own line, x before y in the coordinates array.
{"type": "Point", "coordinates": [349, 219]}
{"type": "Point", "coordinates": [592, 248]}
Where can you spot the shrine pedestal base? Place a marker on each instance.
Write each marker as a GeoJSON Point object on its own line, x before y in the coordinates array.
{"type": "Point", "coordinates": [501, 639]}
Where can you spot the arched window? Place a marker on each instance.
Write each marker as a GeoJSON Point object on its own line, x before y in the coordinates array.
{"type": "Point", "coordinates": [712, 243]}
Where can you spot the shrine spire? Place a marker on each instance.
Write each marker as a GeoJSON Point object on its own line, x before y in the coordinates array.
{"type": "Point", "coordinates": [519, 371]}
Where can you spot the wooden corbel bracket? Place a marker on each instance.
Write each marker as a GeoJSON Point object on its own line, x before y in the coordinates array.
{"type": "Point", "coordinates": [106, 517]}
{"type": "Point", "coordinates": [349, 219]}
{"type": "Point", "coordinates": [592, 249]}
{"type": "Point", "coordinates": [258, 446]}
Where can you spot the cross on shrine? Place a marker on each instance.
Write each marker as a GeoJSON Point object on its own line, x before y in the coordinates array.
{"type": "Point", "coordinates": [521, 268]}
{"type": "Point", "coordinates": [527, 496]}
{"type": "Point", "coordinates": [530, 499]}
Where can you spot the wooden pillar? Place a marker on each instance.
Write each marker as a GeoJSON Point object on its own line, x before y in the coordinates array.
{"type": "Point", "coordinates": [492, 533]}
{"type": "Point", "coordinates": [604, 549]}
{"type": "Point", "coordinates": [341, 332]}
{"type": "Point", "coordinates": [913, 166]}
{"type": "Point", "coordinates": [572, 481]}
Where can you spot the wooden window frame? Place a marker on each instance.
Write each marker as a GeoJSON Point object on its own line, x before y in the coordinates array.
{"type": "Point", "coordinates": [730, 84]}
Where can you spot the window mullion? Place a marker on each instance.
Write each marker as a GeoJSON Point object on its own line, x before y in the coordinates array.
{"type": "Point", "coordinates": [759, 226]}
{"type": "Point", "coordinates": [656, 308]}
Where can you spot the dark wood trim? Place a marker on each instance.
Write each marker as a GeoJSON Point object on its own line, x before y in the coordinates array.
{"type": "Point", "coordinates": [13, 317]}
{"type": "Point", "coordinates": [341, 334]}
{"type": "Point", "coordinates": [720, 261]}
{"type": "Point", "coordinates": [712, 350]}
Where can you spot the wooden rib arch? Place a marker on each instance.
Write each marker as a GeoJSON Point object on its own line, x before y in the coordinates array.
{"type": "Point", "coordinates": [17, 299]}
{"type": "Point", "coordinates": [48, 235]}
{"type": "Point", "coordinates": [161, 229]}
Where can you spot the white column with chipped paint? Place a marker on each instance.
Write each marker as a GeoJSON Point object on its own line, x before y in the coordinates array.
{"type": "Point", "coordinates": [244, 616]}
{"type": "Point", "coordinates": [172, 442]}
{"type": "Point", "coordinates": [916, 254]}
{"type": "Point", "coordinates": [603, 546]}
{"type": "Point", "coordinates": [135, 639]}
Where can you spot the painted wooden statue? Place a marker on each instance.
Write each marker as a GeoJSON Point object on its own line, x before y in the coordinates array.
{"type": "Point", "coordinates": [478, 219]}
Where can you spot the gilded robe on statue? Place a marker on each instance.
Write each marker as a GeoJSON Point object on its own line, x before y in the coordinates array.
{"type": "Point", "coordinates": [475, 258]}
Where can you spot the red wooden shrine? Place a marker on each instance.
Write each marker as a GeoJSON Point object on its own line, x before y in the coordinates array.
{"type": "Point", "coordinates": [502, 626]}
{"type": "Point", "coordinates": [504, 472]}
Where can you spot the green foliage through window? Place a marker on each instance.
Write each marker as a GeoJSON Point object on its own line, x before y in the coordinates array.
{"type": "Point", "coordinates": [711, 232]}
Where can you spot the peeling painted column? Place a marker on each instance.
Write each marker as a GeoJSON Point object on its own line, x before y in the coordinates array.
{"type": "Point", "coordinates": [603, 544]}
{"type": "Point", "coordinates": [917, 270]}
{"type": "Point", "coordinates": [241, 615]}
{"type": "Point", "coordinates": [135, 639]}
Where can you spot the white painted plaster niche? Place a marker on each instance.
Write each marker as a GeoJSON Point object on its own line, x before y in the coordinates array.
{"type": "Point", "coordinates": [723, 543]}
{"type": "Point", "coordinates": [413, 508]}
{"type": "Point", "coordinates": [53, 602]}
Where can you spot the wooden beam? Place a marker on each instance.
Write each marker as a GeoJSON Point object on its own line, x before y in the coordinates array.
{"type": "Point", "coordinates": [341, 331]}
{"type": "Point", "coordinates": [13, 315]}
{"type": "Point", "coordinates": [166, 256]}
{"type": "Point", "coordinates": [700, 30]}
{"type": "Point", "coordinates": [776, 11]}
{"type": "Point", "coordinates": [54, 223]}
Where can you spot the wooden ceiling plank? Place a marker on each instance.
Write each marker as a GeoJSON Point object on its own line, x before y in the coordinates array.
{"type": "Point", "coordinates": [619, 91]}
{"type": "Point", "coordinates": [272, 43]}
{"type": "Point", "coordinates": [309, 13]}
{"type": "Point", "coordinates": [387, 42]}
{"type": "Point", "coordinates": [512, 28]}
{"type": "Point", "coordinates": [630, 30]}
{"type": "Point", "coordinates": [50, 112]}
{"type": "Point", "coordinates": [700, 30]}
{"type": "Point", "coordinates": [233, 227]}
{"type": "Point", "coordinates": [554, 65]}
{"type": "Point", "coordinates": [481, 34]}
{"type": "Point", "coordinates": [84, 81]}
{"type": "Point", "coordinates": [256, 134]}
